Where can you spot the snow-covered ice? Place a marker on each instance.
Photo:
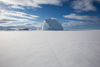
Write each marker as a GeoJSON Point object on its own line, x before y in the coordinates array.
{"type": "Point", "coordinates": [50, 48]}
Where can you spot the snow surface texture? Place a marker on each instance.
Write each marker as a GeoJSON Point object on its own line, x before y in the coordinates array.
{"type": "Point", "coordinates": [51, 24]}
{"type": "Point", "coordinates": [50, 49]}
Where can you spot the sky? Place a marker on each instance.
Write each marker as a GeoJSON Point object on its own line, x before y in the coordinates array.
{"type": "Point", "coordinates": [72, 14]}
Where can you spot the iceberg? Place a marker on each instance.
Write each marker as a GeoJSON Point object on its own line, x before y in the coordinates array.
{"type": "Point", "coordinates": [51, 24]}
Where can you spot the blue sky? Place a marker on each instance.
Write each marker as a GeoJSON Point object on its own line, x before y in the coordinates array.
{"type": "Point", "coordinates": [72, 14]}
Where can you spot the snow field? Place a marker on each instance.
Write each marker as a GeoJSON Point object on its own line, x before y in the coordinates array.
{"type": "Point", "coordinates": [50, 48]}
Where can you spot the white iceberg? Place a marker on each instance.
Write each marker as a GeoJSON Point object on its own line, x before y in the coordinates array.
{"type": "Point", "coordinates": [51, 24]}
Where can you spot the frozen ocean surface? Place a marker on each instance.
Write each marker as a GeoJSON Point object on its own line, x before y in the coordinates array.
{"type": "Point", "coordinates": [50, 48]}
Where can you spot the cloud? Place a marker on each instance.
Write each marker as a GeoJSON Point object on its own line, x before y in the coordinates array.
{"type": "Point", "coordinates": [79, 21]}
{"type": "Point", "coordinates": [32, 25]}
{"type": "Point", "coordinates": [78, 5]}
{"type": "Point", "coordinates": [77, 25]}
{"type": "Point", "coordinates": [98, 0]}
{"type": "Point", "coordinates": [15, 16]}
{"type": "Point", "coordinates": [32, 3]}
{"type": "Point", "coordinates": [16, 7]}
{"type": "Point", "coordinates": [19, 20]}
{"type": "Point", "coordinates": [5, 19]}
{"type": "Point", "coordinates": [18, 14]}
{"type": "Point", "coordinates": [82, 17]}
{"type": "Point", "coordinates": [3, 22]}
{"type": "Point", "coordinates": [84, 5]}
{"type": "Point", "coordinates": [17, 27]}
{"type": "Point", "coordinates": [10, 20]}
{"type": "Point", "coordinates": [36, 24]}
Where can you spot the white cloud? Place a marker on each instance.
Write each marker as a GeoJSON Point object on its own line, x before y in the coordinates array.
{"type": "Point", "coordinates": [73, 23]}
{"type": "Point", "coordinates": [79, 5]}
{"type": "Point", "coordinates": [82, 17]}
{"type": "Point", "coordinates": [8, 20]}
{"type": "Point", "coordinates": [32, 3]}
{"type": "Point", "coordinates": [14, 16]}
{"type": "Point", "coordinates": [16, 7]}
{"type": "Point", "coordinates": [32, 25]}
{"type": "Point", "coordinates": [77, 23]}
{"type": "Point", "coordinates": [84, 5]}
{"type": "Point", "coordinates": [17, 14]}
{"type": "Point", "coordinates": [19, 20]}
{"type": "Point", "coordinates": [80, 20]}
{"type": "Point", "coordinates": [17, 27]}
{"type": "Point", "coordinates": [36, 24]}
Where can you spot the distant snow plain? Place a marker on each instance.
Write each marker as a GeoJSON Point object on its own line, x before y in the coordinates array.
{"type": "Point", "coordinates": [50, 48]}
